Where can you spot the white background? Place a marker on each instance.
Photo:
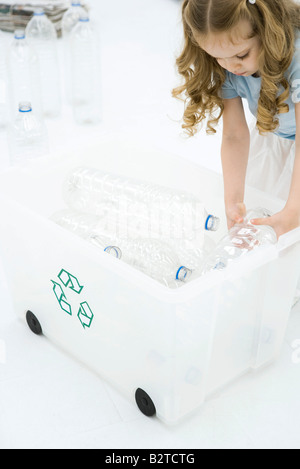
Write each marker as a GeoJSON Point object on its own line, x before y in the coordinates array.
{"type": "Point", "coordinates": [47, 400]}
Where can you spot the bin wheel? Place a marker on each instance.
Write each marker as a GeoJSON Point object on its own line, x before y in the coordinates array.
{"type": "Point", "coordinates": [144, 403]}
{"type": "Point", "coordinates": [33, 323]}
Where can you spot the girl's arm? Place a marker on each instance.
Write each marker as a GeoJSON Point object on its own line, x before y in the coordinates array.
{"type": "Point", "coordinates": [289, 218]}
{"type": "Point", "coordinates": [234, 154]}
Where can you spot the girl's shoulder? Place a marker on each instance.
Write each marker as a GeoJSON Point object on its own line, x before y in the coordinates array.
{"type": "Point", "coordinates": [294, 68]}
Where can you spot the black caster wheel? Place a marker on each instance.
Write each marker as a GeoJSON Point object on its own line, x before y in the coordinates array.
{"type": "Point", "coordinates": [144, 403]}
{"type": "Point", "coordinates": [33, 323]}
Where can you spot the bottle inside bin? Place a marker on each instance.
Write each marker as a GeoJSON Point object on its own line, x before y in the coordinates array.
{"type": "Point", "coordinates": [153, 257]}
{"type": "Point", "coordinates": [241, 238]}
{"type": "Point", "coordinates": [150, 256]}
{"type": "Point", "coordinates": [87, 189]}
{"type": "Point", "coordinates": [27, 136]}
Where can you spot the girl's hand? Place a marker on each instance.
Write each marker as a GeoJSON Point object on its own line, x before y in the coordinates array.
{"type": "Point", "coordinates": [235, 213]}
{"type": "Point", "coordinates": [282, 222]}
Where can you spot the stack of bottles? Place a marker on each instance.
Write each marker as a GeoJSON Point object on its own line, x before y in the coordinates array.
{"type": "Point", "coordinates": [30, 73]}
{"type": "Point", "coordinates": [155, 229]}
{"type": "Point", "coordinates": [158, 230]}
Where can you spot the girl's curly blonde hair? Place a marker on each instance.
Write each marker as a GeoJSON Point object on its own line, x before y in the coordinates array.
{"type": "Point", "coordinates": [273, 21]}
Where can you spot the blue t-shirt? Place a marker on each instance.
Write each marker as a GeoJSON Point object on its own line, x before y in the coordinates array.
{"type": "Point", "coordinates": [249, 88]}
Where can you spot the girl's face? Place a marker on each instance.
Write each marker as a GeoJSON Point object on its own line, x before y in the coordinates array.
{"type": "Point", "coordinates": [240, 58]}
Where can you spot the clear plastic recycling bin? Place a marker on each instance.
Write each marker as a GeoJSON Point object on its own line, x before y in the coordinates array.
{"type": "Point", "coordinates": [167, 349]}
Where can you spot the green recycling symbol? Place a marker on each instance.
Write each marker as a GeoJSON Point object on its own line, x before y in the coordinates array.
{"type": "Point", "coordinates": [67, 280]}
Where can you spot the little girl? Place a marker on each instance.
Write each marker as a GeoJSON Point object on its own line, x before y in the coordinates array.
{"type": "Point", "coordinates": [248, 49]}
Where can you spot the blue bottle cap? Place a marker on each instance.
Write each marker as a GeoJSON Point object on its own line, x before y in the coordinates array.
{"type": "Point", "coordinates": [25, 107]}
{"type": "Point", "coordinates": [183, 273]}
{"type": "Point", "coordinates": [19, 34]}
{"type": "Point", "coordinates": [212, 223]}
{"type": "Point", "coordinates": [39, 12]}
{"type": "Point", "coordinates": [84, 18]}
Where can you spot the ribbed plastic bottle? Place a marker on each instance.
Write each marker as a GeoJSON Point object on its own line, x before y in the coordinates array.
{"type": "Point", "coordinates": [27, 136]}
{"type": "Point", "coordinates": [153, 257]}
{"type": "Point", "coordinates": [165, 213]}
{"type": "Point", "coordinates": [41, 35]}
{"type": "Point", "coordinates": [85, 72]}
{"type": "Point", "coordinates": [24, 83]}
{"type": "Point", "coordinates": [3, 82]}
{"type": "Point", "coordinates": [241, 239]}
{"type": "Point", "coordinates": [69, 21]}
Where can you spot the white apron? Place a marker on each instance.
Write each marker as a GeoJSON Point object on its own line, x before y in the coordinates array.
{"type": "Point", "coordinates": [270, 167]}
{"type": "Point", "coordinates": [271, 162]}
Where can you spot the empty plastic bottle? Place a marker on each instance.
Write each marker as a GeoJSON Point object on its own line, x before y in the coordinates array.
{"type": "Point", "coordinates": [153, 257]}
{"type": "Point", "coordinates": [241, 239]}
{"type": "Point", "coordinates": [41, 35]}
{"type": "Point", "coordinates": [24, 83]}
{"type": "Point", "coordinates": [85, 72]}
{"type": "Point", "coordinates": [27, 136]}
{"type": "Point", "coordinates": [166, 213]}
{"type": "Point", "coordinates": [69, 21]}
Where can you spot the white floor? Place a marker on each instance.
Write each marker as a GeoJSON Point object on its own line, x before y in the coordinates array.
{"type": "Point", "coordinates": [47, 400]}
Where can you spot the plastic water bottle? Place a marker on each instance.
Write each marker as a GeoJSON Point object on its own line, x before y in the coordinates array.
{"type": "Point", "coordinates": [71, 18]}
{"type": "Point", "coordinates": [27, 136]}
{"type": "Point", "coordinates": [41, 35]}
{"type": "Point", "coordinates": [153, 257]}
{"type": "Point", "coordinates": [3, 82]}
{"type": "Point", "coordinates": [162, 212]}
{"type": "Point", "coordinates": [241, 238]}
{"type": "Point", "coordinates": [85, 72]}
{"type": "Point", "coordinates": [69, 21]}
{"type": "Point", "coordinates": [23, 75]}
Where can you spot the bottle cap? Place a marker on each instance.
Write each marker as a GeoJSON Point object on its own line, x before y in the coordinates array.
{"type": "Point", "coordinates": [212, 223]}
{"type": "Point", "coordinates": [114, 251]}
{"type": "Point", "coordinates": [38, 12]}
{"type": "Point", "coordinates": [19, 34]}
{"type": "Point", "coordinates": [84, 17]}
{"type": "Point", "coordinates": [183, 273]}
{"type": "Point", "coordinates": [25, 107]}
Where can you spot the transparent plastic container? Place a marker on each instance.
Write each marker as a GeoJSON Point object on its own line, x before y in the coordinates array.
{"type": "Point", "coordinates": [85, 72]}
{"type": "Point", "coordinates": [41, 35]}
{"type": "Point", "coordinates": [27, 137]}
{"type": "Point", "coordinates": [24, 83]}
{"type": "Point", "coordinates": [69, 21]}
{"type": "Point", "coordinates": [168, 350]}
